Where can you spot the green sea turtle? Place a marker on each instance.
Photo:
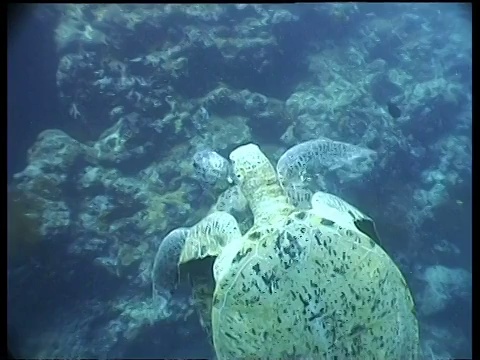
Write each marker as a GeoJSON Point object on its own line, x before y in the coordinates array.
{"type": "Point", "coordinates": [299, 284]}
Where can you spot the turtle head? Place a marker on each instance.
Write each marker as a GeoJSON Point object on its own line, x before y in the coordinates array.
{"type": "Point", "coordinates": [258, 181]}
{"type": "Point", "coordinates": [250, 166]}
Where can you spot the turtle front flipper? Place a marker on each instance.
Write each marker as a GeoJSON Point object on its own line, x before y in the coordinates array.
{"type": "Point", "coordinates": [324, 153]}
{"type": "Point", "coordinates": [189, 253]}
{"type": "Point", "coordinates": [203, 244]}
{"type": "Point", "coordinates": [209, 236]}
{"type": "Point", "coordinates": [203, 287]}
{"type": "Point", "coordinates": [165, 271]}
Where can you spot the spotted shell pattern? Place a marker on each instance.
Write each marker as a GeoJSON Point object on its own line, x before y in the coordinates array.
{"type": "Point", "coordinates": [298, 285]}
{"type": "Point", "coordinates": [310, 289]}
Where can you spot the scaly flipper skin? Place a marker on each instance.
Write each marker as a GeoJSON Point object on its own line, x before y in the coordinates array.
{"type": "Point", "coordinates": [190, 253]}
{"type": "Point", "coordinates": [329, 154]}
{"type": "Point", "coordinates": [209, 236]}
{"type": "Point", "coordinates": [165, 270]}
{"type": "Point", "coordinates": [203, 244]}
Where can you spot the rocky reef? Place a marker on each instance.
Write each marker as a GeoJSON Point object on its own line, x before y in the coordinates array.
{"type": "Point", "coordinates": [153, 85]}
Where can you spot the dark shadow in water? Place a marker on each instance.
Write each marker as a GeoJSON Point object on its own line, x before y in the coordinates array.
{"type": "Point", "coordinates": [32, 90]}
